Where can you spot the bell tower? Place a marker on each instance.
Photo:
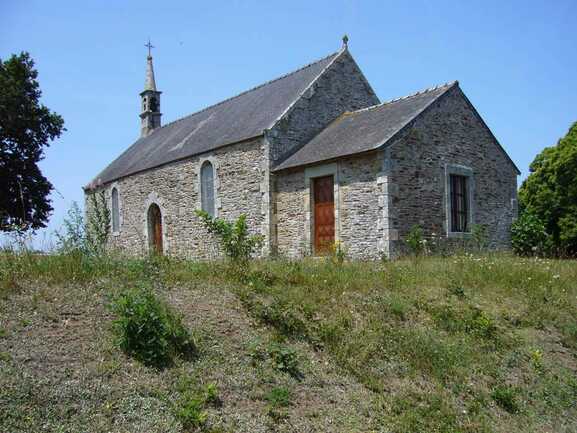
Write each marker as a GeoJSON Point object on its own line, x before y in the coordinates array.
{"type": "Point", "coordinates": [150, 97]}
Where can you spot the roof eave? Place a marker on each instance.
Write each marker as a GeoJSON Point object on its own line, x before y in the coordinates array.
{"type": "Point", "coordinates": [98, 185]}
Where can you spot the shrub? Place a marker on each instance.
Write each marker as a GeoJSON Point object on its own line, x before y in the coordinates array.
{"type": "Point", "coordinates": [283, 359]}
{"type": "Point", "coordinates": [455, 288]}
{"type": "Point", "coordinates": [536, 357]}
{"type": "Point", "coordinates": [97, 223]}
{"type": "Point", "coordinates": [279, 397]}
{"type": "Point", "coordinates": [148, 330]}
{"type": "Point", "coordinates": [528, 236]}
{"type": "Point", "coordinates": [415, 241]}
{"type": "Point", "coordinates": [506, 397]}
{"type": "Point", "coordinates": [479, 236]}
{"type": "Point", "coordinates": [85, 237]}
{"type": "Point", "coordinates": [190, 411]}
{"type": "Point", "coordinates": [190, 407]}
{"type": "Point", "coordinates": [280, 315]}
{"type": "Point", "coordinates": [211, 395]}
{"type": "Point", "coordinates": [338, 253]}
{"type": "Point", "coordinates": [479, 323]}
{"type": "Point", "coordinates": [73, 237]}
{"type": "Point", "coordinates": [237, 244]}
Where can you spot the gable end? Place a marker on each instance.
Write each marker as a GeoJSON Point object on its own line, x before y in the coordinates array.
{"type": "Point", "coordinates": [480, 119]}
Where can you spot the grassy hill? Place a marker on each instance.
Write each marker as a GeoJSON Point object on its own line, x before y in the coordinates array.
{"type": "Point", "coordinates": [457, 344]}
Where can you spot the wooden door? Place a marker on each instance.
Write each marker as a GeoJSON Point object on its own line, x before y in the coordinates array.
{"type": "Point", "coordinates": [155, 229]}
{"type": "Point", "coordinates": [324, 214]}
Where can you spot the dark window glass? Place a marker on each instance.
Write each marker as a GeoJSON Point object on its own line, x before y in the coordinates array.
{"type": "Point", "coordinates": [459, 203]}
{"type": "Point", "coordinates": [207, 188]}
{"type": "Point", "coordinates": [115, 211]}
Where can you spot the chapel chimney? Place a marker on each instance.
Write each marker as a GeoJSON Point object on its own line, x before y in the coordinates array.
{"type": "Point", "coordinates": [150, 97]}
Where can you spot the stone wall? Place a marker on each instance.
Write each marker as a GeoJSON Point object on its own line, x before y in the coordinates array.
{"type": "Point", "coordinates": [239, 171]}
{"type": "Point", "coordinates": [342, 87]}
{"type": "Point", "coordinates": [358, 210]}
{"type": "Point", "coordinates": [449, 134]}
{"type": "Point", "coordinates": [381, 195]}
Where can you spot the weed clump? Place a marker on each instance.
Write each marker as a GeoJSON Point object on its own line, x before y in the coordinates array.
{"type": "Point", "coordinates": [279, 399]}
{"type": "Point", "coordinates": [506, 397]}
{"type": "Point", "coordinates": [190, 408]}
{"type": "Point", "coordinates": [284, 359]}
{"type": "Point", "coordinates": [415, 241]}
{"type": "Point", "coordinates": [148, 330]}
{"type": "Point", "coordinates": [280, 315]}
{"type": "Point", "coordinates": [280, 357]}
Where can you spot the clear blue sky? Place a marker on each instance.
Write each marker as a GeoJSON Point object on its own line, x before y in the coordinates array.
{"type": "Point", "coordinates": [514, 59]}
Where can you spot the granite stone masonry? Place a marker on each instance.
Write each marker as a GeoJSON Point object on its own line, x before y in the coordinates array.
{"type": "Point", "coordinates": [449, 136]}
{"type": "Point", "coordinates": [175, 189]}
{"type": "Point", "coordinates": [340, 88]}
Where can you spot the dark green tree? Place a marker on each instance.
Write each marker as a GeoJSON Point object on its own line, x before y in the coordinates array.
{"type": "Point", "coordinates": [550, 192]}
{"type": "Point", "coordinates": [26, 128]}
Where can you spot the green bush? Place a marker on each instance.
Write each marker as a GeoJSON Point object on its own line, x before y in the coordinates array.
{"type": "Point", "coordinates": [415, 241]}
{"type": "Point", "coordinates": [234, 238]}
{"type": "Point", "coordinates": [148, 330]}
{"type": "Point", "coordinates": [72, 237]}
{"type": "Point", "coordinates": [88, 238]}
{"type": "Point", "coordinates": [506, 397]}
{"type": "Point", "coordinates": [280, 315]}
{"type": "Point", "coordinates": [279, 397]}
{"type": "Point", "coordinates": [528, 236]}
{"type": "Point", "coordinates": [479, 236]}
{"type": "Point", "coordinates": [190, 408]}
{"type": "Point", "coordinates": [190, 412]}
{"type": "Point", "coordinates": [278, 400]}
{"type": "Point", "coordinates": [284, 359]}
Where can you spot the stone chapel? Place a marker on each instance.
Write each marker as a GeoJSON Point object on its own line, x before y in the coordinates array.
{"type": "Point", "coordinates": [311, 158]}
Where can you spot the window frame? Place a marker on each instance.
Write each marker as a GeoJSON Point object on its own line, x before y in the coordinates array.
{"type": "Point", "coordinates": [215, 184]}
{"type": "Point", "coordinates": [466, 174]}
{"type": "Point", "coordinates": [115, 213]}
{"type": "Point", "coordinates": [459, 193]}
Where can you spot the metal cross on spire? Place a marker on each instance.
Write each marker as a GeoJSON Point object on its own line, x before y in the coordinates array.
{"type": "Point", "coordinates": [149, 46]}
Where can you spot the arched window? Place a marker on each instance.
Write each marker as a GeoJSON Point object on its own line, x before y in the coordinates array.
{"type": "Point", "coordinates": [207, 188]}
{"type": "Point", "coordinates": [115, 211]}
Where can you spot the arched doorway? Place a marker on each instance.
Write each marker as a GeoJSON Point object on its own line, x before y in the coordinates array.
{"type": "Point", "coordinates": [154, 229]}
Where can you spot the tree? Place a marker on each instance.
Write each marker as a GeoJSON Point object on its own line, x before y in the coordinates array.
{"type": "Point", "coordinates": [26, 127]}
{"type": "Point", "coordinates": [550, 192]}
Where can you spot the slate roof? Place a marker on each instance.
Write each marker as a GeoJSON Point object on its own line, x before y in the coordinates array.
{"type": "Point", "coordinates": [364, 130]}
{"type": "Point", "coordinates": [236, 119]}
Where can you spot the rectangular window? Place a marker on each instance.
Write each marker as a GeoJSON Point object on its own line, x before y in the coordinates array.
{"type": "Point", "coordinates": [459, 203]}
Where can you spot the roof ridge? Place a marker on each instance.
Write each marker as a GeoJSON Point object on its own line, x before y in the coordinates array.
{"type": "Point", "coordinates": [250, 90]}
{"type": "Point", "coordinates": [420, 92]}
{"type": "Point", "coordinates": [334, 56]}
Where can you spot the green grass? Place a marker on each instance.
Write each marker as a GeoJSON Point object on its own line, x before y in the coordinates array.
{"type": "Point", "coordinates": [458, 344]}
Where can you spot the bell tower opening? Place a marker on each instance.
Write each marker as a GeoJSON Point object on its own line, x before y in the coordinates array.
{"type": "Point", "coordinates": [150, 115]}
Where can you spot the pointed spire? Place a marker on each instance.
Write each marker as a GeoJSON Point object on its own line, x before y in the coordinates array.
{"type": "Point", "coordinates": [150, 114]}
{"type": "Point", "coordinates": [149, 83]}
